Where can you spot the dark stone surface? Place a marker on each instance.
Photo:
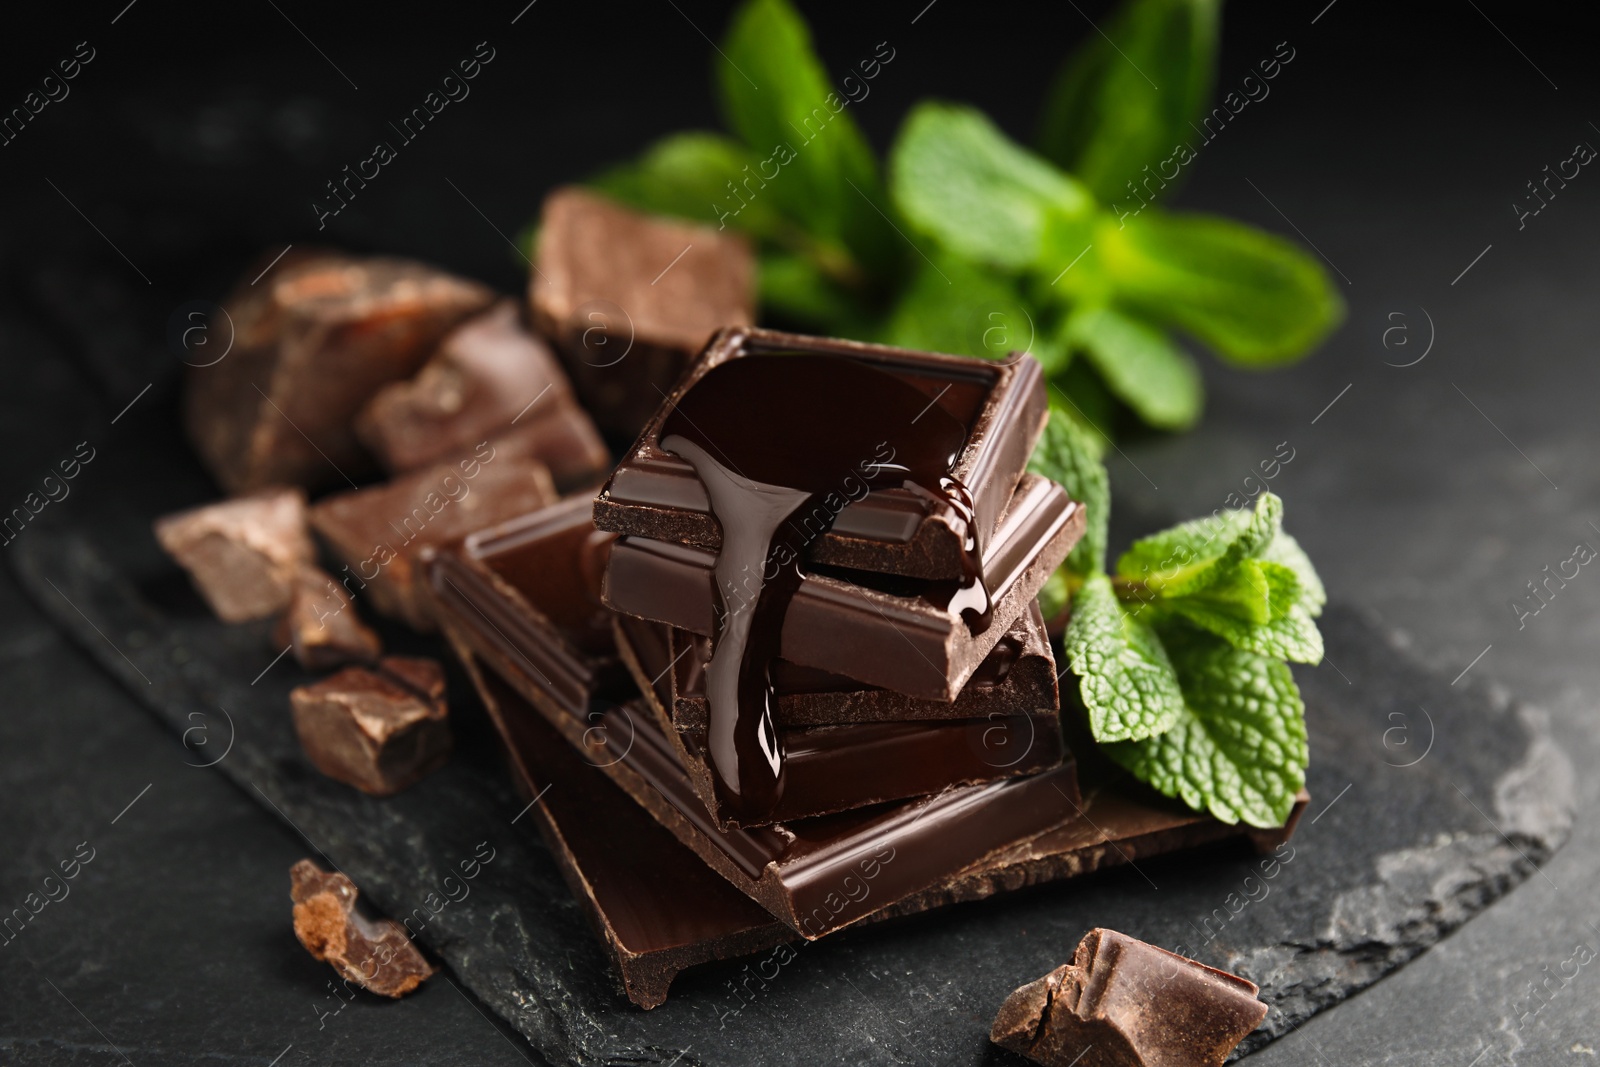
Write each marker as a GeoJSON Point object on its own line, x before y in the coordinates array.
{"type": "Point", "coordinates": [1389, 858]}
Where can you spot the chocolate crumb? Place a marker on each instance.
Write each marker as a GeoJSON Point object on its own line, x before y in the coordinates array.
{"type": "Point", "coordinates": [243, 554]}
{"type": "Point", "coordinates": [322, 626]}
{"type": "Point", "coordinates": [375, 954]}
{"type": "Point", "coordinates": [1124, 1003]}
{"type": "Point", "coordinates": [379, 729]}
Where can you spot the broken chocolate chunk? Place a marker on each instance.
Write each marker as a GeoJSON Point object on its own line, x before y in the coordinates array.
{"type": "Point", "coordinates": [491, 377]}
{"type": "Point", "coordinates": [321, 624]}
{"type": "Point", "coordinates": [375, 954]}
{"type": "Point", "coordinates": [243, 555]}
{"type": "Point", "coordinates": [1124, 1003]}
{"type": "Point", "coordinates": [379, 533]}
{"type": "Point", "coordinates": [379, 729]}
{"type": "Point", "coordinates": [304, 347]}
{"type": "Point", "coordinates": [630, 299]}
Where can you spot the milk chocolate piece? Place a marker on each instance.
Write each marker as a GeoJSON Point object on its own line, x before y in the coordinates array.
{"type": "Point", "coordinates": [1123, 1003]}
{"type": "Point", "coordinates": [817, 875]}
{"type": "Point", "coordinates": [322, 626]}
{"type": "Point", "coordinates": [1020, 672]}
{"type": "Point", "coordinates": [629, 299]}
{"type": "Point", "coordinates": [682, 914]}
{"type": "Point", "coordinates": [379, 729]}
{"type": "Point", "coordinates": [900, 634]}
{"type": "Point", "coordinates": [310, 343]}
{"type": "Point", "coordinates": [489, 379]}
{"type": "Point", "coordinates": [380, 533]}
{"type": "Point", "coordinates": [1002, 406]}
{"type": "Point", "coordinates": [375, 954]}
{"type": "Point", "coordinates": [838, 768]}
{"type": "Point", "coordinates": [242, 555]}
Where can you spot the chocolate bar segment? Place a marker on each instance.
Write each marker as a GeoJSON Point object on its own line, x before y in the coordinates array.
{"type": "Point", "coordinates": [629, 299]}
{"type": "Point", "coordinates": [1124, 1003]}
{"type": "Point", "coordinates": [311, 341]}
{"type": "Point", "coordinates": [1020, 672]}
{"type": "Point", "coordinates": [489, 379]}
{"type": "Point", "coordinates": [656, 494]}
{"type": "Point", "coordinates": [905, 634]}
{"type": "Point", "coordinates": [381, 532]}
{"type": "Point", "coordinates": [830, 769]}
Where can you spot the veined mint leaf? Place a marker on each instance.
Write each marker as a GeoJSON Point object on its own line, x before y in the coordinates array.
{"type": "Point", "coordinates": [1285, 550]}
{"type": "Point", "coordinates": [1144, 367]}
{"type": "Point", "coordinates": [1193, 555]}
{"type": "Point", "coordinates": [1253, 298]}
{"type": "Point", "coordinates": [1124, 676]}
{"type": "Point", "coordinates": [956, 177]}
{"type": "Point", "coordinates": [1068, 455]}
{"type": "Point", "coordinates": [1293, 636]}
{"type": "Point", "coordinates": [777, 96]}
{"type": "Point", "coordinates": [1238, 747]}
{"type": "Point", "coordinates": [1126, 99]}
{"type": "Point", "coordinates": [954, 305]}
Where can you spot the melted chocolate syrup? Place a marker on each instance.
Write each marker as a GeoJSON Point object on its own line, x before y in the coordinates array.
{"type": "Point", "coordinates": [782, 444]}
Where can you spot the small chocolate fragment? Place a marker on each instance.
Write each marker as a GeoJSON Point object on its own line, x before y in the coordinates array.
{"type": "Point", "coordinates": [903, 634]}
{"type": "Point", "coordinates": [305, 346]}
{"type": "Point", "coordinates": [629, 299]}
{"type": "Point", "coordinates": [379, 533]}
{"type": "Point", "coordinates": [379, 729]}
{"type": "Point", "coordinates": [1124, 1003]}
{"type": "Point", "coordinates": [887, 530]}
{"type": "Point", "coordinates": [375, 954]}
{"type": "Point", "coordinates": [490, 378]}
{"type": "Point", "coordinates": [321, 624]}
{"type": "Point", "coordinates": [243, 555]}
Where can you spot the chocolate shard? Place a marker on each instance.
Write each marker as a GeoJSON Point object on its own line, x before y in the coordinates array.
{"type": "Point", "coordinates": [322, 626]}
{"type": "Point", "coordinates": [306, 346]}
{"type": "Point", "coordinates": [629, 299]}
{"type": "Point", "coordinates": [243, 555]}
{"type": "Point", "coordinates": [1124, 1003]}
{"type": "Point", "coordinates": [378, 729]}
{"type": "Point", "coordinates": [375, 954]}
{"type": "Point", "coordinates": [491, 380]}
{"type": "Point", "coordinates": [656, 494]}
{"type": "Point", "coordinates": [380, 533]}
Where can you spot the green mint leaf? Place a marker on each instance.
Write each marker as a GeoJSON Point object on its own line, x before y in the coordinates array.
{"type": "Point", "coordinates": [1253, 298]}
{"type": "Point", "coordinates": [794, 287]}
{"type": "Point", "coordinates": [1126, 681]}
{"type": "Point", "coordinates": [1261, 608]}
{"type": "Point", "coordinates": [1293, 636]}
{"type": "Point", "coordinates": [954, 305]}
{"type": "Point", "coordinates": [957, 178]}
{"type": "Point", "coordinates": [1238, 747]}
{"type": "Point", "coordinates": [1126, 99]}
{"type": "Point", "coordinates": [1140, 364]}
{"type": "Point", "coordinates": [815, 163]}
{"type": "Point", "coordinates": [1194, 555]}
{"type": "Point", "coordinates": [688, 175]}
{"type": "Point", "coordinates": [1285, 550]}
{"type": "Point", "coordinates": [1068, 455]}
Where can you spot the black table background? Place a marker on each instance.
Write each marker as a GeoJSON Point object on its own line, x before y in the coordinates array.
{"type": "Point", "coordinates": [200, 134]}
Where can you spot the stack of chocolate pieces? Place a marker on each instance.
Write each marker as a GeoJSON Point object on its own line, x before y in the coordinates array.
{"type": "Point", "coordinates": [887, 731]}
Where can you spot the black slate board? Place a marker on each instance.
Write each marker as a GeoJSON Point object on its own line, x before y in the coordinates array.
{"type": "Point", "coordinates": [1429, 802]}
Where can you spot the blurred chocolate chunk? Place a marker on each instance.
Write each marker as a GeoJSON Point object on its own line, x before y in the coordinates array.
{"type": "Point", "coordinates": [490, 378]}
{"type": "Point", "coordinates": [305, 347]}
{"type": "Point", "coordinates": [243, 555]}
{"type": "Point", "coordinates": [379, 533]}
{"type": "Point", "coordinates": [375, 954]}
{"type": "Point", "coordinates": [1123, 1003]}
{"type": "Point", "coordinates": [629, 299]}
{"type": "Point", "coordinates": [379, 729]}
{"type": "Point", "coordinates": [322, 626]}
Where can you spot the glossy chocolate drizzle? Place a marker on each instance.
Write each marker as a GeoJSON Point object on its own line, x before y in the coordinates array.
{"type": "Point", "coordinates": [782, 444]}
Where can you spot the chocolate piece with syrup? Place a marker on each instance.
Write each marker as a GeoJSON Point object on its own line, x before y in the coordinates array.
{"type": "Point", "coordinates": [893, 530]}
{"type": "Point", "coordinates": [781, 442]}
{"type": "Point", "coordinates": [1124, 1003]}
{"type": "Point", "coordinates": [628, 299]}
{"type": "Point", "coordinates": [830, 769]}
{"type": "Point", "coordinates": [897, 633]}
{"type": "Point", "coordinates": [1020, 672]}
